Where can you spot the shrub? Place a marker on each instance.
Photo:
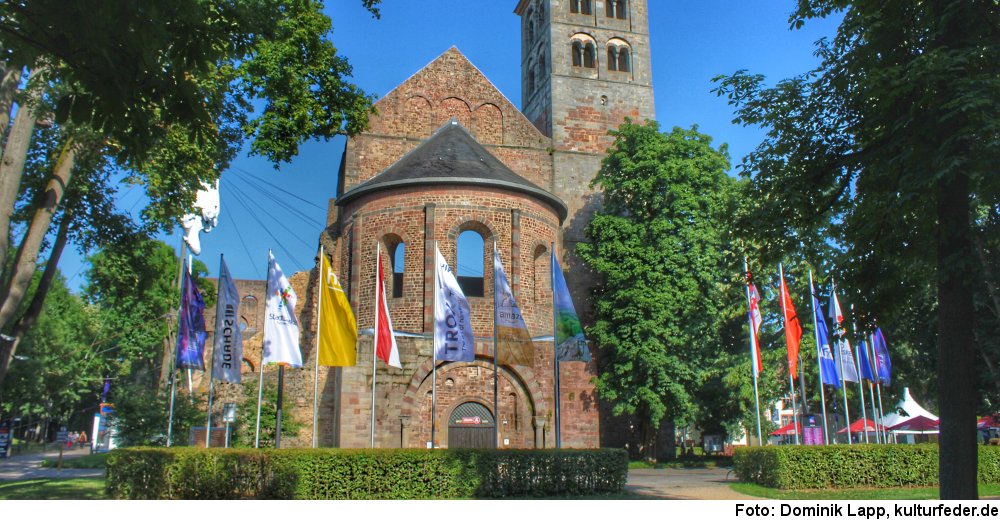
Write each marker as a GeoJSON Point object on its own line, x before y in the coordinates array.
{"type": "Point", "coordinates": [324, 474]}
{"type": "Point", "coordinates": [851, 466]}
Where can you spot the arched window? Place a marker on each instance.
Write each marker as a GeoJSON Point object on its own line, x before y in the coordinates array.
{"type": "Point", "coordinates": [541, 277]}
{"type": "Point", "coordinates": [540, 77]}
{"type": "Point", "coordinates": [531, 31]}
{"type": "Point", "coordinates": [612, 57]}
{"type": "Point", "coordinates": [624, 64]}
{"type": "Point", "coordinates": [398, 269]}
{"type": "Point", "coordinates": [574, 6]}
{"type": "Point", "coordinates": [619, 55]}
{"type": "Point", "coordinates": [585, 7]}
{"type": "Point", "coordinates": [470, 260]}
{"type": "Point", "coordinates": [615, 9]}
{"type": "Point", "coordinates": [577, 53]}
{"type": "Point", "coordinates": [529, 83]}
{"type": "Point", "coordinates": [248, 315]}
{"type": "Point", "coordinates": [590, 55]}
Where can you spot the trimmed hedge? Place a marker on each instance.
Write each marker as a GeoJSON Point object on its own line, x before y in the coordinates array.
{"type": "Point", "coordinates": [851, 466]}
{"type": "Point", "coordinates": [323, 474]}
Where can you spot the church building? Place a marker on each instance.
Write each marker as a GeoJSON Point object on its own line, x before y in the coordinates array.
{"type": "Point", "coordinates": [449, 162]}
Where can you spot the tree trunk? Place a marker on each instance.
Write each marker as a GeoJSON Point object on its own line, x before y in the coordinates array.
{"type": "Point", "coordinates": [30, 317]}
{"type": "Point", "coordinates": [958, 457]}
{"type": "Point", "coordinates": [9, 80]}
{"type": "Point", "coordinates": [649, 431]}
{"type": "Point", "coordinates": [27, 254]}
{"type": "Point", "coordinates": [12, 165]}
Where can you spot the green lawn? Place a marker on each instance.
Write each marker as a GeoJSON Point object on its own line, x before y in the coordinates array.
{"type": "Point", "coordinates": [53, 489]}
{"type": "Point", "coordinates": [928, 493]}
{"type": "Point", "coordinates": [91, 461]}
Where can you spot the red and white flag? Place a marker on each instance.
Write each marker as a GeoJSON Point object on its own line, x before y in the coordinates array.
{"type": "Point", "coordinates": [755, 321]}
{"type": "Point", "coordinates": [385, 343]}
{"type": "Point", "coordinates": [835, 314]}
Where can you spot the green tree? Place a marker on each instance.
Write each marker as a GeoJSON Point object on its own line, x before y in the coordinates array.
{"type": "Point", "coordinates": [658, 248]}
{"type": "Point", "coordinates": [889, 148]}
{"type": "Point", "coordinates": [170, 89]}
{"type": "Point", "coordinates": [245, 430]}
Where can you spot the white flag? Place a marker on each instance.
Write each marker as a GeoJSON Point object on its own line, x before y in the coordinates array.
{"type": "Point", "coordinates": [281, 329]}
{"type": "Point", "coordinates": [845, 359]}
{"type": "Point", "coordinates": [453, 338]}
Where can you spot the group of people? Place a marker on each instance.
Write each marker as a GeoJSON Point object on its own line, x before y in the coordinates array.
{"type": "Point", "coordinates": [76, 439]}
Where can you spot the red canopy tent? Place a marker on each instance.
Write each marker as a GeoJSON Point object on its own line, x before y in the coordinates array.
{"type": "Point", "coordinates": [862, 425]}
{"type": "Point", "coordinates": [916, 425]}
{"type": "Point", "coordinates": [788, 429]}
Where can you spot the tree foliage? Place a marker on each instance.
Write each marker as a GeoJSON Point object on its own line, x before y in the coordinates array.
{"type": "Point", "coordinates": [888, 150]}
{"type": "Point", "coordinates": [658, 247]}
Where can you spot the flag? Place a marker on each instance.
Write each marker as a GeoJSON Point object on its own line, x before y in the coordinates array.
{"type": "Point", "coordinates": [827, 365]}
{"type": "Point", "coordinates": [865, 361]}
{"type": "Point", "coordinates": [338, 330]}
{"type": "Point", "coordinates": [385, 342]}
{"type": "Point", "coordinates": [845, 359]}
{"type": "Point", "coordinates": [835, 314]}
{"type": "Point", "coordinates": [755, 321]}
{"type": "Point", "coordinates": [227, 349]}
{"type": "Point", "coordinates": [883, 366]}
{"type": "Point", "coordinates": [793, 330]}
{"type": "Point", "coordinates": [281, 329]}
{"type": "Point", "coordinates": [191, 333]}
{"type": "Point", "coordinates": [514, 345]}
{"type": "Point", "coordinates": [571, 344]}
{"type": "Point", "coordinates": [453, 338]}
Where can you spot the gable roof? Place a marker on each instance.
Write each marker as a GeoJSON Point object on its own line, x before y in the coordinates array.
{"type": "Point", "coordinates": [452, 156]}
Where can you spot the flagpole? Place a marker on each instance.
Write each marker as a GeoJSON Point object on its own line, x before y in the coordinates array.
{"type": "Point", "coordinates": [555, 339]}
{"type": "Point", "coordinates": [822, 392]}
{"type": "Point", "coordinates": [791, 379]}
{"type": "Point", "coordinates": [861, 379]}
{"type": "Point", "coordinates": [753, 356]}
{"type": "Point", "coordinates": [190, 384]}
{"type": "Point", "coordinates": [319, 321]}
{"type": "Point", "coordinates": [173, 357]}
{"type": "Point", "coordinates": [260, 383]}
{"type": "Point", "coordinates": [378, 269]}
{"type": "Point", "coordinates": [434, 362]}
{"type": "Point", "coordinates": [843, 378]}
{"type": "Point", "coordinates": [496, 346]}
{"type": "Point", "coordinates": [211, 370]}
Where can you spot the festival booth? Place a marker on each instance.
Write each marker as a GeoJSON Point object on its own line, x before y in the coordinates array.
{"type": "Point", "coordinates": [786, 434]}
{"type": "Point", "coordinates": [860, 427]}
{"type": "Point", "coordinates": [908, 411]}
{"type": "Point", "coordinates": [989, 427]}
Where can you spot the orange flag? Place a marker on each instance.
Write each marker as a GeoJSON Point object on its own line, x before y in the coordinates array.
{"type": "Point", "coordinates": [793, 329]}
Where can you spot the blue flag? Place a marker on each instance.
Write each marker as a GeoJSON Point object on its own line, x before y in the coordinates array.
{"type": "Point", "coordinates": [191, 327]}
{"type": "Point", "coordinates": [865, 361]}
{"type": "Point", "coordinates": [571, 345]}
{"type": "Point", "coordinates": [883, 366]}
{"type": "Point", "coordinates": [827, 365]}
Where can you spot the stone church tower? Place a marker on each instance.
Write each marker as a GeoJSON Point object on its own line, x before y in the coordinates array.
{"type": "Point", "coordinates": [585, 67]}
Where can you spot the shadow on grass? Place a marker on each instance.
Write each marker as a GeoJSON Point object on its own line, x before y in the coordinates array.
{"type": "Point", "coordinates": [53, 489]}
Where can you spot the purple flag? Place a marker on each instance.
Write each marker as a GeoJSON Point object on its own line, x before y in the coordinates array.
{"type": "Point", "coordinates": [191, 327]}
{"type": "Point", "coordinates": [883, 366]}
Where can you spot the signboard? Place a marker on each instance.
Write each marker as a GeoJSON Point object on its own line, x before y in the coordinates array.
{"type": "Point", "coordinates": [471, 420]}
{"type": "Point", "coordinates": [107, 408]}
{"type": "Point", "coordinates": [5, 441]}
{"type": "Point", "coordinates": [62, 435]}
{"type": "Point", "coordinates": [812, 435]}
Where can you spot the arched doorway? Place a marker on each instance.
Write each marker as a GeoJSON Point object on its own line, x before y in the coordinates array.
{"type": "Point", "coordinates": [471, 426]}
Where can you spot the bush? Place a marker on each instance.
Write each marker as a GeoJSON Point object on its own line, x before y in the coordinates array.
{"type": "Point", "coordinates": [851, 466]}
{"type": "Point", "coordinates": [325, 474]}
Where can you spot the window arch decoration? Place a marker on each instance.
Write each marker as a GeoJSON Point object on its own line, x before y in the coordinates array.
{"type": "Point", "coordinates": [584, 51]}
{"type": "Point", "coordinates": [619, 55]}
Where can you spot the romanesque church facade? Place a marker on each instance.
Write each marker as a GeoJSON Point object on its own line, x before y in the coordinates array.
{"type": "Point", "coordinates": [448, 156]}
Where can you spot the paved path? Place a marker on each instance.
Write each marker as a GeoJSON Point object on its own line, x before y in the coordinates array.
{"type": "Point", "coordinates": [684, 484]}
{"type": "Point", "coordinates": [28, 466]}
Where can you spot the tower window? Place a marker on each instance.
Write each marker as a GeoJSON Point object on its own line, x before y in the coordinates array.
{"type": "Point", "coordinates": [619, 56]}
{"type": "Point", "coordinates": [577, 54]}
{"type": "Point", "coordinates": [580, 6]}
{"type": "Point", "coordinates": [615, 9]}
{"type": "Point", "coordinates": [589, 56]}
{"type": "Point", "coordinates": [585, 7]}
{"type": "Point", "coordinates": [398, 269]}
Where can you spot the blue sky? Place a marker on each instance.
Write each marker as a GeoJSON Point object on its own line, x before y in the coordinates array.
{"type": "Point", "coordinates": [692, 41]}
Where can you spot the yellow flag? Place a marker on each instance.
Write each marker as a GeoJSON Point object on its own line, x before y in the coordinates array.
{"type": "Point", "coordinates": [338, 331]}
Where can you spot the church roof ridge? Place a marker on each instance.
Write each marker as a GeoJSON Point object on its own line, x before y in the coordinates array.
{"type": "Point", "coordinates": [451, 155]}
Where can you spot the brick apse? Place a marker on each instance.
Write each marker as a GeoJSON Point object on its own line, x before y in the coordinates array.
{"type": "Point", "coordinates": [448, 153]}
